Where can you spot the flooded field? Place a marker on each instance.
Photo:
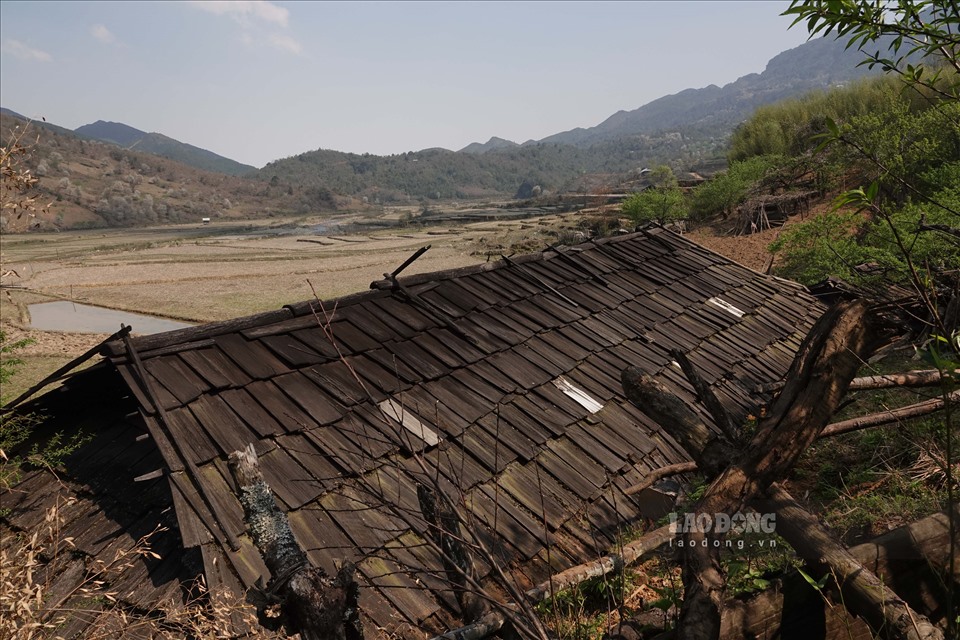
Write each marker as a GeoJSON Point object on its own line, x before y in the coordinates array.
{"type": "Point", "coordinates": [73, 317]}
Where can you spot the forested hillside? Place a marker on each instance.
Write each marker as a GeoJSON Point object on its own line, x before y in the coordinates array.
{"type": "Point", "coordinates": [438, 173]}
{"type": "Point", "coordinates": [681, 130]}
{"type": "Point", "coordinates": [161, 145]}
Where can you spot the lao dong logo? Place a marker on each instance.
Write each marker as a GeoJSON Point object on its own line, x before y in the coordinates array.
{"type": "Point", "coordinates": [721, 524]}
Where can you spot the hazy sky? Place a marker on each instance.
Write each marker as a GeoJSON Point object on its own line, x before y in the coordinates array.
{"type": "Point", "coordinates": [257, 81]}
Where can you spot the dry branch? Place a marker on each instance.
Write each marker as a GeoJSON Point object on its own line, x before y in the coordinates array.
{"type": "Point", "coordinates": [706, 396]}
{"type": "Point", "coordinates": [659, 474]}
{"type": "Point", "coordinates": [629, 554]}
{"type": "Point", "coordinates": [952, 231]}
{"type": "Point", "coordinates": [482, 628]}
{"type": "Point", "coordinates": [886, 417]}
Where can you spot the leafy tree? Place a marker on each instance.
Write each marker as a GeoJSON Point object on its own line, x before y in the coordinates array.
{"type": "Point", "coordinates": [924, 169]}
{"type": "Point", "coordinates": [788, 127]}
{"type": "Point", "coordinates": [662, 202]}
{"type": "Point", "coordinates": [924, 30]}
{"type": "Point", "coordinates": [903, 147]}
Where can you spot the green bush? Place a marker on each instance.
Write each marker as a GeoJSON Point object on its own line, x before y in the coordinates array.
{"type": "Point", "coordinates": [662, 201]}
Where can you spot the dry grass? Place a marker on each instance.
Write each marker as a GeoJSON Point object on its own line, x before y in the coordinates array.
{"type": "Point", "coordinates": [28, 612]}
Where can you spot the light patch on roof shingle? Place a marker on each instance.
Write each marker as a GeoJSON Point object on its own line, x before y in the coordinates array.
{"type": "Point", "coordinates": [579, 395]}
{"type": "Point", "coordinates": [726, 306]}
{"type": "Point", "coordinates": [405, 418]}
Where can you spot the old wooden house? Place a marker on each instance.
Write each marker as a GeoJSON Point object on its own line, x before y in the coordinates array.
{"type": "Point", "coordinates": [498, 383]}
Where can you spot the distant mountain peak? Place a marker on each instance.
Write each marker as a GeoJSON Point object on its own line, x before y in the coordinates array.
{"type": "Point", "coordinates": [815, 64]}
{"type": "Point", "coordinates": [161, 145]}
{"type": "Point", "coordinates": [490, 145]}
{"type": "Point", "coordinates": [116, 132]}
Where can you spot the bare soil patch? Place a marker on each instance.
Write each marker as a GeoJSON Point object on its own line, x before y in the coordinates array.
{"type": "Point", "coordinates": [750, 250]}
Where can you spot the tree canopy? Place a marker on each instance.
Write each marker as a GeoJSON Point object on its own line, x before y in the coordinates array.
{"type": "Point", "coordinates": [661, 202]}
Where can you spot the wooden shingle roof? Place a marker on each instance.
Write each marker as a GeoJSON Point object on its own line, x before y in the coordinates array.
{"type": "Point", "coordinates": [94, 500]}
{"type": "Point", "coordinates": [500, 382]}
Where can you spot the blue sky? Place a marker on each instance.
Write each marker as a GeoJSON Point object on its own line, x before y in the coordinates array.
{"type": "Point", "coordinates": [257, 81]}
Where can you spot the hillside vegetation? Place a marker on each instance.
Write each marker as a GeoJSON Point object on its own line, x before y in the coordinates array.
{"type": "Point", "coordinates": [902, 149]}
{"type": "Point", "coordinates": [900, 152]}
{"type": "Point", "coordinates": [87, 183]}
{"type": "Point", "coordinates": [161, 145]}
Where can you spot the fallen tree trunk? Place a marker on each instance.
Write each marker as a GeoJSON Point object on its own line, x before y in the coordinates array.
{"type": "Point", "coordinates": [921, 378]}
{"type": "Point", "coordinates": [912, 558]}
{"type": "Point", "coordinates": [318, 607]}
{"type": "Point", "coordinates": [818, 379]}
{"type": "Point", "coordinates": [925, 378]}
{"type": "Point", "coordinates": [914, 554]}
{"type": "Point", "coordinates": [861, 591]}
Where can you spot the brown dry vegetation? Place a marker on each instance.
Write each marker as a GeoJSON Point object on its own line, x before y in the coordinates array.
{"type": "Point", "coordinates": [91, 184]}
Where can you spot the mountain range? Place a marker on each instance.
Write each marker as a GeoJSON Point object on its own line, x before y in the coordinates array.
{"type": "Point", "coordinates": [687, 130]}
{"type": "Point", "coordinates": [684, 130]}
{"type": "Point", "coordinates": [818, 64]}
{"type": "Point", "coordinates": [154, 143]}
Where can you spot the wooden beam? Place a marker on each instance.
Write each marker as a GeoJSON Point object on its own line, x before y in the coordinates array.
{"type": "Point", "coordinates": [56, 375]}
